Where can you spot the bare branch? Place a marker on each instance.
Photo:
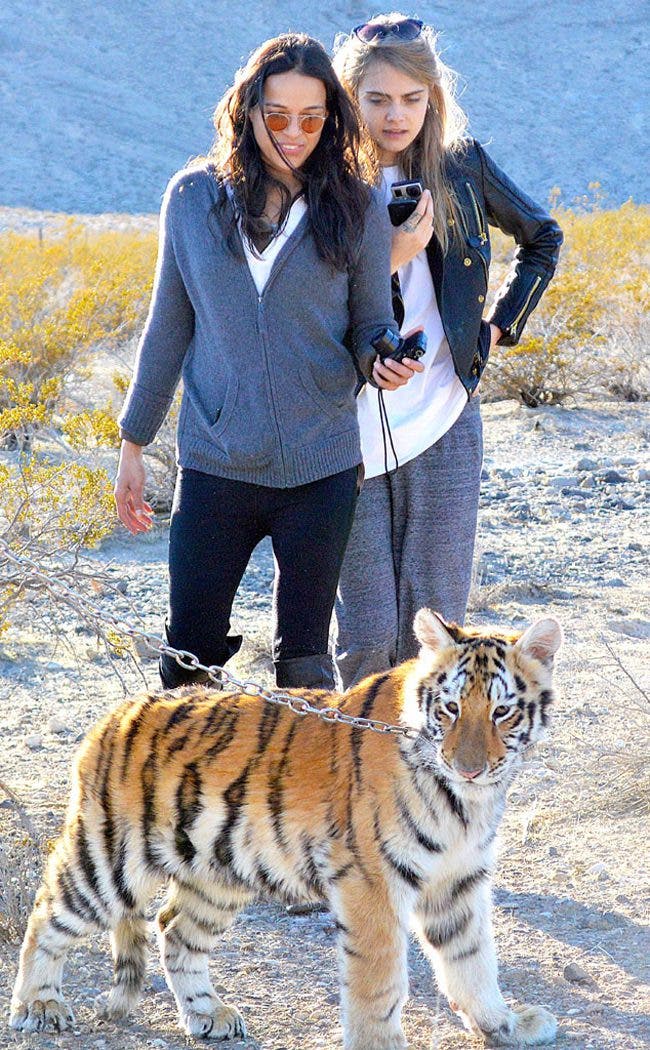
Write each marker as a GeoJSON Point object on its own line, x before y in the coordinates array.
{"type": "Point", "coordinates": [625, 671]}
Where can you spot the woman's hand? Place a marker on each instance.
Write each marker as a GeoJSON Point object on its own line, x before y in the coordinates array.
{"type": "Point", "coordinates": [413, 235]}
{"type": "Point", "coordinates": [389, 375]}
{"type": "Point", "coordinates": [132, 509]}
{"type": "Point", "coordinates": [495, 335]}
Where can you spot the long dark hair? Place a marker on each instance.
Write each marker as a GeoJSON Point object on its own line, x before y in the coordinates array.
{"type": "Point", "coordinates": [332, 176]}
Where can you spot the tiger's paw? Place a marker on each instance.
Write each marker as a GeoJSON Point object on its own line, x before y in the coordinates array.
{"type": "Point", "coordinates": [524, 1026]}
{"type": "Point", "coordinates": [376, 1040]}
{"type": "Point", "coordinates": [115, 1004]}
{"type": "Point", "coordinates": [535, 1025]}
{"type": "Point", "coordinates": [41, 1015]}
{"type": "Point", "coordinates": [225, 1022]}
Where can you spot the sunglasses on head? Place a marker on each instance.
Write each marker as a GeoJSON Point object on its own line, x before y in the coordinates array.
{"type": "Point", "coordinates": [310, 123]}
{"type": "Point", "coordinates": [404, 29]}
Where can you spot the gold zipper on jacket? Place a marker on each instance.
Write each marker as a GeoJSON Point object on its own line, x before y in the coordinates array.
{"type": "Point", "coordinates": [513, 326]}
{"type": "Point", "coordinates": [478, 214]}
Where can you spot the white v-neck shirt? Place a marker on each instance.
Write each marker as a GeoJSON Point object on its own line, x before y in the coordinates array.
{"type": "Point", "coordinates": [260, 264]}
{"type": "Point", "coordinates": [420, 412]}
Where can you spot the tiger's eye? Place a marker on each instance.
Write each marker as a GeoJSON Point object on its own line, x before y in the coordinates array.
{"type": "Point", "coordinates": [452, 708]}
{"type": "Point", "coordinates": [500, 711]}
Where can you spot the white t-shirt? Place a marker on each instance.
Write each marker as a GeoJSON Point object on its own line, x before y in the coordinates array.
{"type": "Point", "coordinates": [420, 412]}
{"type": "Point", "coordinates": [261, 263]}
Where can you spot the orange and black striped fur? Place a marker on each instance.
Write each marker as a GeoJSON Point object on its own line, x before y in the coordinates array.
{"type": "Point", "coordinates": [223, 797]}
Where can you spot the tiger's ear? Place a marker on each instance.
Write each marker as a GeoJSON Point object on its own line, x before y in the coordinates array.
{"type": "Point", "coordinates": [432, 631]}
{"type": "Point", "coordinates": [541, 640]}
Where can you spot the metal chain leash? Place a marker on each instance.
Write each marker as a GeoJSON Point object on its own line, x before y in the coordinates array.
{"type": "Point", "coordinates": [187, 660]}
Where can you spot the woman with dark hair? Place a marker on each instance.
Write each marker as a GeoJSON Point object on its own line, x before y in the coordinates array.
{"type": "Point", "coordinates": [269, 252]}
{"type": "Point", "coordinates": [413, 536]}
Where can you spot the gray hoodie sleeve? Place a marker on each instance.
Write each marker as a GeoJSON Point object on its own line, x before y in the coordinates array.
{"type": "Point", "coordinates": [167, 334]}
{"type": "Point", "coordinates": [370, 301]}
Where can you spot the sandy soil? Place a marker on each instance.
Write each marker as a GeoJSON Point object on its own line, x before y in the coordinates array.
{"type": "Point", "coordinates": [564, 525]}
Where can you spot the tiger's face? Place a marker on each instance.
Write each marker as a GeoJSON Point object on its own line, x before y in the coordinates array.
{"type": "Point", "coordinates": [479, 700]}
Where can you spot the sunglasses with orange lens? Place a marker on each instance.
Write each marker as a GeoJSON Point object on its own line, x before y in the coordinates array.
{"type": "Point", "coordinates": [310, 123]}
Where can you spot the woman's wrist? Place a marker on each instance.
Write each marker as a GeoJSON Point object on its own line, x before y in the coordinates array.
{"type": "Point", "coordinates": [130, 447]}
{"type": "Point", "coordinates": [496, 334]}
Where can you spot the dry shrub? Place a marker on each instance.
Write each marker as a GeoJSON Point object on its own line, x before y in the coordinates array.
{"type": "Point", "coordinates": [627, 791]}
{"type": "Point", "coordinates": [59, 300]}
{"type": "Point", "coordinates": [65, 303]}
{"type": "Point", "coordinates": [22, 858]}
{"type": "Point", "coordinates": [49, 512]}
{"type": "Point", "coordinates": [588, 335]}
{"type": "Point", "coordinates": [21, 868]}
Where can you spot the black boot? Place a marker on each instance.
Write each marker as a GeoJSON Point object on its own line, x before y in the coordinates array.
{"type": "Point", "coordinates": [305, 672]}
{"type": "Point", "coordinates": [173, 675]}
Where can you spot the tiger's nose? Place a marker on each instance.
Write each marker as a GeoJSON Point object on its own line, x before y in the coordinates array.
{"type": "Point", "coordinates": [469, 774]}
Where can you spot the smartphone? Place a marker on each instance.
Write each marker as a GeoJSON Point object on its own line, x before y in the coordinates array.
{"type": "Point", "coordinates": [403, 200]}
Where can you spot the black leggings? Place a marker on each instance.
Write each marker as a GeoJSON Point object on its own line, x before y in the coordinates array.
{"type": "Point", "coordinates": [215, 526]}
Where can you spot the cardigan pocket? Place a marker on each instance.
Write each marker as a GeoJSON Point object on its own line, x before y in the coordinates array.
{"type": "Point", "coordinates": [335, 403]}
{"type": "Point", "coordinates": [229, 438]}
{"type": "Point", "coordinates": [223, 414]}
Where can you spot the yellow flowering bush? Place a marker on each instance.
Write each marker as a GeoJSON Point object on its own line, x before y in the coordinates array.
{"type": "Point", "coordinates": [65, 301]}
{"type": "Point", "coordinates": [95, 428]}
{"type": "Point", "coordinates": [49, 512]}
{"type": "Point", "coordinates": [589, 332]}
{"type": "Point", "coordinates": [60, 299]}
{"type": "Point", "coordinates": [63, 506]}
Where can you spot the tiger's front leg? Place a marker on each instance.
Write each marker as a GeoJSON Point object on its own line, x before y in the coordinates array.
{"type": "Point", "coordinates": [455, 930]}
{"type": "Point", "coordinates": [373, 964]}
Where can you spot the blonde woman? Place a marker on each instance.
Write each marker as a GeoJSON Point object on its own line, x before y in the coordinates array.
{"type": "Point", "coordinates": [413, 536]}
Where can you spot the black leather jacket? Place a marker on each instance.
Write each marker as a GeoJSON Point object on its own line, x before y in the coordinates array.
{"type": "Point", "coordinates": [487, 196]}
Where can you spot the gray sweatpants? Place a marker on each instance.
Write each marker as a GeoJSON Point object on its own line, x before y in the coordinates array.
{"type": "Point", "coordinates": [411, 545]}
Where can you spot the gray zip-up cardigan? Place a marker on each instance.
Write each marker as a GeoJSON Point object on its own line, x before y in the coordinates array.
{"type": "Point", "coordinates": [268, 384]}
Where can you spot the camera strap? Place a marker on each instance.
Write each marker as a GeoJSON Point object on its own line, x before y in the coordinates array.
{"type": "Point", "coordinates": [385, 430]}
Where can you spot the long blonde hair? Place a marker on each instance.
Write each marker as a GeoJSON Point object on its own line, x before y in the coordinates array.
{"type": "Point", "coordinates": [444, 124]}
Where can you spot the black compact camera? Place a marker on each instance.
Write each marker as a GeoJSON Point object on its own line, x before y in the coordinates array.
{"type": "Point", "coordinates": [404, 200]}
{"type": "Point", "coordinates": [389, 345]}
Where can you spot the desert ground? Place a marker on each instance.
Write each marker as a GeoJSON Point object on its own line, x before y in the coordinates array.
{"type": "Point", "coordinates": [563, 531]}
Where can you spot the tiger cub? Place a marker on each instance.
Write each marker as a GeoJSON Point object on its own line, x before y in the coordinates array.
{"type": "Point", "coordinates": [223, 797]}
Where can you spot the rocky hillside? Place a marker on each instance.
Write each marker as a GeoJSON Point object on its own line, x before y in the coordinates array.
{"type": "Point", "coordinates": [102, 101]}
